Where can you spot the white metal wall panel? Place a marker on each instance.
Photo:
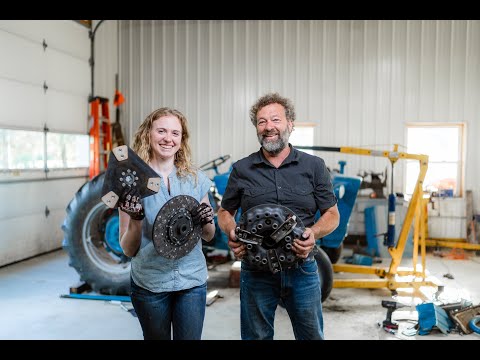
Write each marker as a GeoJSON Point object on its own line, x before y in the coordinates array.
{"type": "Point", "coordinates": [32, 198]}
{"type": "Point", "coordinates": [470, 103]}
{"type": "Point", "coordinates": [24, 67]}
{"type": "Point", "coordinates": [60, 111]}
{"type": "Point", "coordinates": [61, 35]}
{"type": "Point", "coordinates": [26, 230]}
{"type": "Point", "coordinates": [106, 59]}
{"type": "Point", "coordinates": [22, 59]}
{"type": "Point", "coordinates": [29, 235]}
{"type": "Point", "coordinates": [67, 74]}
{"type": "Point", "coordinates": [360, 81]}
{"type": "Point", "coordinates": [67, 112]}
{"type": "Point", "coordinates": [14, 113]}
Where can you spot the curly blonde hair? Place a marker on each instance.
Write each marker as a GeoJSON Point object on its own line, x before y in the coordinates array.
{"type": "Point", "coordinates": [183, 157]}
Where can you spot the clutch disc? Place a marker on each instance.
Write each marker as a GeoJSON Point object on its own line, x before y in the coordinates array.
{"type": "Point", "coordinates": [268, 231]}
{"type": "Point", "coordinates": [174, 234]}
{"type": "Point", "coordinates": [126, 170]}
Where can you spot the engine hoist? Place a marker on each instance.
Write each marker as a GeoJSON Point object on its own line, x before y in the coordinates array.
{"type": "Point", "coordinates": [394, 277]}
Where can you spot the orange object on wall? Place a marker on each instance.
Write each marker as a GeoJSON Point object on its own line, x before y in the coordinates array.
{"type": "Point", "coordinates": [100, 135]}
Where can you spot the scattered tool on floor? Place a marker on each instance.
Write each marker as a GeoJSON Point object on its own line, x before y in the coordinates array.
{"type": "Point", "coordinates": [119, 303]}
{"type": "Point", "coordinates": [80, 288]}
{"type": "Point", "coordinates": [122, 305]}
{"type": "Point", "coordinates": [433, 316]}
{"type": "Point", "coordinates": [212, 296]}
{"type": "Point", "coordinates": [474, 324]}
{"type": "Point", "coordinates": [462, 317]}
{"type": "Point", "coordinates": [391, 306]}
{"type": "Point", "coordinates": [95, 296]}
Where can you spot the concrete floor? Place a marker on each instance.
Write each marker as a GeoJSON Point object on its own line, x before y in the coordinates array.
{"type": "Point", "coordinates": [31, 306]}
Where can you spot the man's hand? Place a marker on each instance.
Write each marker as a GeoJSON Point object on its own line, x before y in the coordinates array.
{"type": "Point", "coordinates": [203, 214]}
{"type": "Point", "coordinates": [302, 247]}
{"type": "Point", "coordinates": [237, 247]}
{"type": "Point", "coordinates": [130, 204]}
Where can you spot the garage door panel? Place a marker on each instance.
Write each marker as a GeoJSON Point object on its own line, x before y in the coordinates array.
{"type": "Point", "coordinates": [63, 35]}
{"type": "Point", "coordinates": [23, 105]}
{"type": "Point", "coordinates": [36, 196]}
{"type": "Point", "coordinates": [68, 74]}
{"type": "Point", "coordinates": [67, 112]}
{"type": "Point", "coordinates": [21, 60]}
{"type": "Point", "coordinates": [30, 235]}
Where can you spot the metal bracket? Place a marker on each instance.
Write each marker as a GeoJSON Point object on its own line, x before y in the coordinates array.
{"type": "Point", "coordinates": [284, 229]}
{"type": "Point", "coordinates": [247, 237]}
{"type": "Point", "coordinates": [273, 262]}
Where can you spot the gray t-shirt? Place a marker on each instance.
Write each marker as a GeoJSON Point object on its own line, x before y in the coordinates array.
{"type": "Point", "coordinates": [154, 272]}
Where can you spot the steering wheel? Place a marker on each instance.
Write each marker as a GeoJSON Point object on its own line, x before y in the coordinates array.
{"type": "Point", "coordinates": [215, 163]}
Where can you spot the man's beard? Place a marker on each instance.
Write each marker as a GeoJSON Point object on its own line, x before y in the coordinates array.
{"type": "Point", "coordinates": [274, 147]}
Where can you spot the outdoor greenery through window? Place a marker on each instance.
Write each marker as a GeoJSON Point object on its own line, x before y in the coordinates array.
{"type": "Point", "coordinates": [443, 143]}
{"type": "Point", "coordinates": [38, 150]}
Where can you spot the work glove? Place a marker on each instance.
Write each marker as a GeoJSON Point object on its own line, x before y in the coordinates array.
{"type": "Point", "coordinates": [130, 203]}
{"type": "Point", "coordinates": [202, 214]}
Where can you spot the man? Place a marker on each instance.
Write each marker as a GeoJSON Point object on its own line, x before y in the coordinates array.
{"type": "Point", "coordinates": [280, 174]}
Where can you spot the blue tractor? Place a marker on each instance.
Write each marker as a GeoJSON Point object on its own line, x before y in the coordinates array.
{"type": "Point", "coordinates": [346, 190]}
{"type": "Point", "coordinates": [217, 249]}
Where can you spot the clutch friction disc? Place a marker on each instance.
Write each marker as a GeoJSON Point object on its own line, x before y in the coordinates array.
{"type": "Point", "coordinates": [127, 170]}
{"type": "Point", "coordinates": [174, 234]}
{"type": "Point", "coordinates": [268, 231]}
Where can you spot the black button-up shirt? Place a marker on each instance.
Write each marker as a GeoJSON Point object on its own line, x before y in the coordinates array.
{"type": "Point", "coordinates": [302, 183]}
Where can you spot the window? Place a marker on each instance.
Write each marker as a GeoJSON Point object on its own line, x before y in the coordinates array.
{"type": "Point", "coordinates": [38, 152]}
{"type": "Point", "coordinates": [303, 135]}
{"type": "Point", "coordinates": [21, 150]}
{"type": "Point", "coordinates": [443, 143]}
{"type": "Point", "coordinates": [66, 151]}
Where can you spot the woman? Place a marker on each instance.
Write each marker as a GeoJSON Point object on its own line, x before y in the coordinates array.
{"type": "Point", "coordinates": [166, 293]}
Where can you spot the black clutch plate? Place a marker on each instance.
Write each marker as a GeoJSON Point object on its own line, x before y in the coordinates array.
{"type": "Point", "coordinates": [268, 231]}
{"type": "Point", "coordinates": [174, 234]}
{"type": "Point", "coordinates": [125, 170]}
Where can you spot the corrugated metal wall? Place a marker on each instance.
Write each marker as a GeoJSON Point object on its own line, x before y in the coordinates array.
{"type": "Point", "coordinates": [359, 81]}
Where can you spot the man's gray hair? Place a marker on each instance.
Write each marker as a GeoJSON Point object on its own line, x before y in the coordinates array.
{"type": "Point", "coordinates": [272, 98]}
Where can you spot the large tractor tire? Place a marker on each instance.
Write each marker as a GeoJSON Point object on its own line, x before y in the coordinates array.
{"type": "Point", "coordinates": [333, 253]}
{"type": "Point", "coordinates": [91, 240]}
{"type": "Point", "coordinates": [325, 271]}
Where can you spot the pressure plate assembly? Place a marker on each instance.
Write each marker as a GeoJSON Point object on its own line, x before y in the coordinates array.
{"type": "Point", "coordinates": [268, 231]}
{"type": "Point", "coordinates": [126, 170]}
{"type": "Point", "coordinates": [174, 233]}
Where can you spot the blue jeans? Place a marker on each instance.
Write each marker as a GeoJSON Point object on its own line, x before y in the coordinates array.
{"type": "Point", "coordinates": [158, 313]}
{"type": "Point", "coordinates": [299, 289]}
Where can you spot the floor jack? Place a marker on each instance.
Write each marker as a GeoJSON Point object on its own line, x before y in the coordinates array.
{"type": "Point", "coordinates": [414, 279]}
